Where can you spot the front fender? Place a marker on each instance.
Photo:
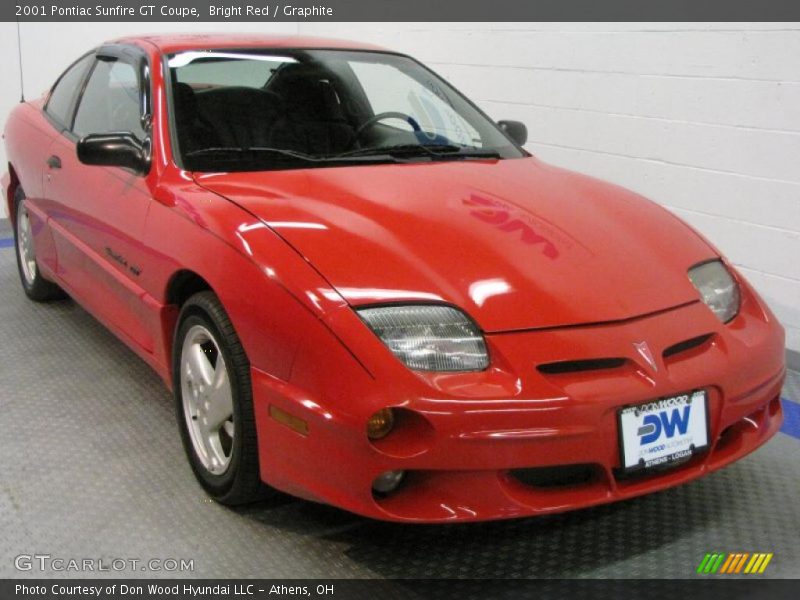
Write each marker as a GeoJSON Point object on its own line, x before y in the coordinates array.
{"type": "Point", "coordinates": [274, 298]}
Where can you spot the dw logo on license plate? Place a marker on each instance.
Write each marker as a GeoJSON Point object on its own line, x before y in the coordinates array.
{"type": "Point", "coordinates": [663, 431]}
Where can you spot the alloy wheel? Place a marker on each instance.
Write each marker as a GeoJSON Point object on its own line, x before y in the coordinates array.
{"type": "Point", "coordinates": [207, 399]}
{"type": "Point", "coordinates": [27, 252]}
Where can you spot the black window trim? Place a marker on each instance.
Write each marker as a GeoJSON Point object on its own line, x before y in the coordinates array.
{"type": "Point", "coordinates": [54, 121]}
{"type": "Point", "coordinates": [133, 55]}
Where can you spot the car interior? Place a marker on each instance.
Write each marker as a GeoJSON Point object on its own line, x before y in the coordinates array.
{"type": "Point", "coordinates": [303, 107]}
{"type": "Point", "coordinates": [298, 109]}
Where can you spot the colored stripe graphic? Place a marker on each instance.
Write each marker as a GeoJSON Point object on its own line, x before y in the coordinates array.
{"type": "Point", "coordinates": [733, 563]}
{"type": "Point", "coordinates": [6, 242]}
{"type": "Point", "coordinates": [741, 562]}
{"type": "Point", "coordinates": [717, 563]}
{"type": "Point", "coordinates": [737, 559]}
{"type": "Point", "coordinates": [753, 563]}
{"type": "Point", "coordinates": [764, 564]}
{"type": "Point", "coordinates": [703, 563]}
{"type": "Point", "coordinates": [727, 564]}
{"type": "Point", "coordinates": [711, 562]}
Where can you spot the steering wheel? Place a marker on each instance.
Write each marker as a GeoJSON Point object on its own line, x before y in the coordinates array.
{"type": "Point", "coordinates": [371, 122]}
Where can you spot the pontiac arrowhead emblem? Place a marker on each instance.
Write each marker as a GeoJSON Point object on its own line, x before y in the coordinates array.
{"type": "Point", "coordinates": [644, 351]}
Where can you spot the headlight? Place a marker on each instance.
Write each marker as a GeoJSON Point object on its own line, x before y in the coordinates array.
{"type": "Point", "coordinates": [429, 337]}
{"type": "Point", "coordinates": [717, 288]}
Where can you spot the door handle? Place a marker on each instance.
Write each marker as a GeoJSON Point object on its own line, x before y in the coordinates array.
{"type": "Point", "coordinates": [54, 162]}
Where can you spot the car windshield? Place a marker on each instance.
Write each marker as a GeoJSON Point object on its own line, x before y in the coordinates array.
{"type": "Point", "coordinates": [250, 110]}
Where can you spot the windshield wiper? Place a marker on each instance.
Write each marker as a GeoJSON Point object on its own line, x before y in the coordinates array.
{"type": "Point", "coordinates": [285, 154]}
{"type": "Point", "coordinates": [436, 151]}
{"type": "Point", "coordinates": [259, 150]}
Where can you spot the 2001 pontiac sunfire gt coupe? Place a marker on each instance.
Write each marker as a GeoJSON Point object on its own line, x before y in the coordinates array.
{"type": "Point", "coordinates": [365, 292]}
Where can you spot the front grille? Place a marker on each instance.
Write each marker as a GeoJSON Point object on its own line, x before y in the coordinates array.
{"type": "Point", "coordinates": [686, 345]}
{"type": "Point", "coordinates": [550, 477]}
{"type": "Point", "coordinates": [575, 366]}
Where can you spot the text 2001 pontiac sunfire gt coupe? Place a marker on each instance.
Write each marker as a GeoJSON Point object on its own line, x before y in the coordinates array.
{"type": "Point", "coordinates": [364, 292]}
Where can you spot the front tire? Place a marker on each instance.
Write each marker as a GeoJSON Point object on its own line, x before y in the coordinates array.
{"type": "Point", "coordinates": [36, 287]}
{"type": "Point", "coordinates": [214, 402]}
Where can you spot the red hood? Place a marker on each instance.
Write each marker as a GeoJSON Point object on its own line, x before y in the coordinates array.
{"type": "Point", "coordinates": [516, 243]}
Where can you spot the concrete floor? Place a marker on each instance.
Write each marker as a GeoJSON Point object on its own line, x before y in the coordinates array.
{"type": "Point", "coordinates": [94, 468]}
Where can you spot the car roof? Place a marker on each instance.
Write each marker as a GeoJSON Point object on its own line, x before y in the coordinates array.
{"type": "Point", "coordinates": [169, 43]}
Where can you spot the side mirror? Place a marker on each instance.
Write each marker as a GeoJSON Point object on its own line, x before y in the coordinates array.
{"type": "Point", "coordinates": [118, 149]}
{"type": "Point", "coordinates": [516, 130]}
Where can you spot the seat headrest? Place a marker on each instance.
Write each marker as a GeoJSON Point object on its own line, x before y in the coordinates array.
{"type": "Point", "coordinates": [185, 99]}
{"type": "Point", "coordinates": [308, 90]}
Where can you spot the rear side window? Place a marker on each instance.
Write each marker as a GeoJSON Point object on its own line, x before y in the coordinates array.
{"type": "Point", "coordinates": [60, 100]}
{"type": "Point", "coordinates": [111, 100]}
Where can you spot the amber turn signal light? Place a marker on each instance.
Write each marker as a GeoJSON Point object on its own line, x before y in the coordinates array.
{"type": "Point", "coordinates": [380, 424]}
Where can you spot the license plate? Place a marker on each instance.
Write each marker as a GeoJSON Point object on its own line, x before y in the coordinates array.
{"type": "Point", "coordinates": [663, 432]}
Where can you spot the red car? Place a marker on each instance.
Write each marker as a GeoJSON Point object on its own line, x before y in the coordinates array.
{"type": "Point", "coordinates": [365, 292]}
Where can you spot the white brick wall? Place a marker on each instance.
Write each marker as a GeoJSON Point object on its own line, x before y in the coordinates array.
{"type": "Point", "coordinates": [703, 118]}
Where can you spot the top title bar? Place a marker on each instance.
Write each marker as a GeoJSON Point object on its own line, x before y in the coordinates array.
{"type": "Point", "coordinates": [401, 10]}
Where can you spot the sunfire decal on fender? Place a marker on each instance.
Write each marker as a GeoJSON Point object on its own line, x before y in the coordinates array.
{"type": "Point", "coordinates": [122, 261]}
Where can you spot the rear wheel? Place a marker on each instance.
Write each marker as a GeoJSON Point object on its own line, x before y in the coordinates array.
{"type": "Point", "coordinates": [214, 402]}
{"type": "Point", "coordinates": [36, 287]}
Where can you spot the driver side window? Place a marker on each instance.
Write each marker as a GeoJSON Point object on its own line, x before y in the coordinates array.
{"type": "Point", "coordinates": [111, 100]}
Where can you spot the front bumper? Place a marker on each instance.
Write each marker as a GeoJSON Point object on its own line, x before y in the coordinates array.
{"type": "Point", "coordinates": [514, 441]}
